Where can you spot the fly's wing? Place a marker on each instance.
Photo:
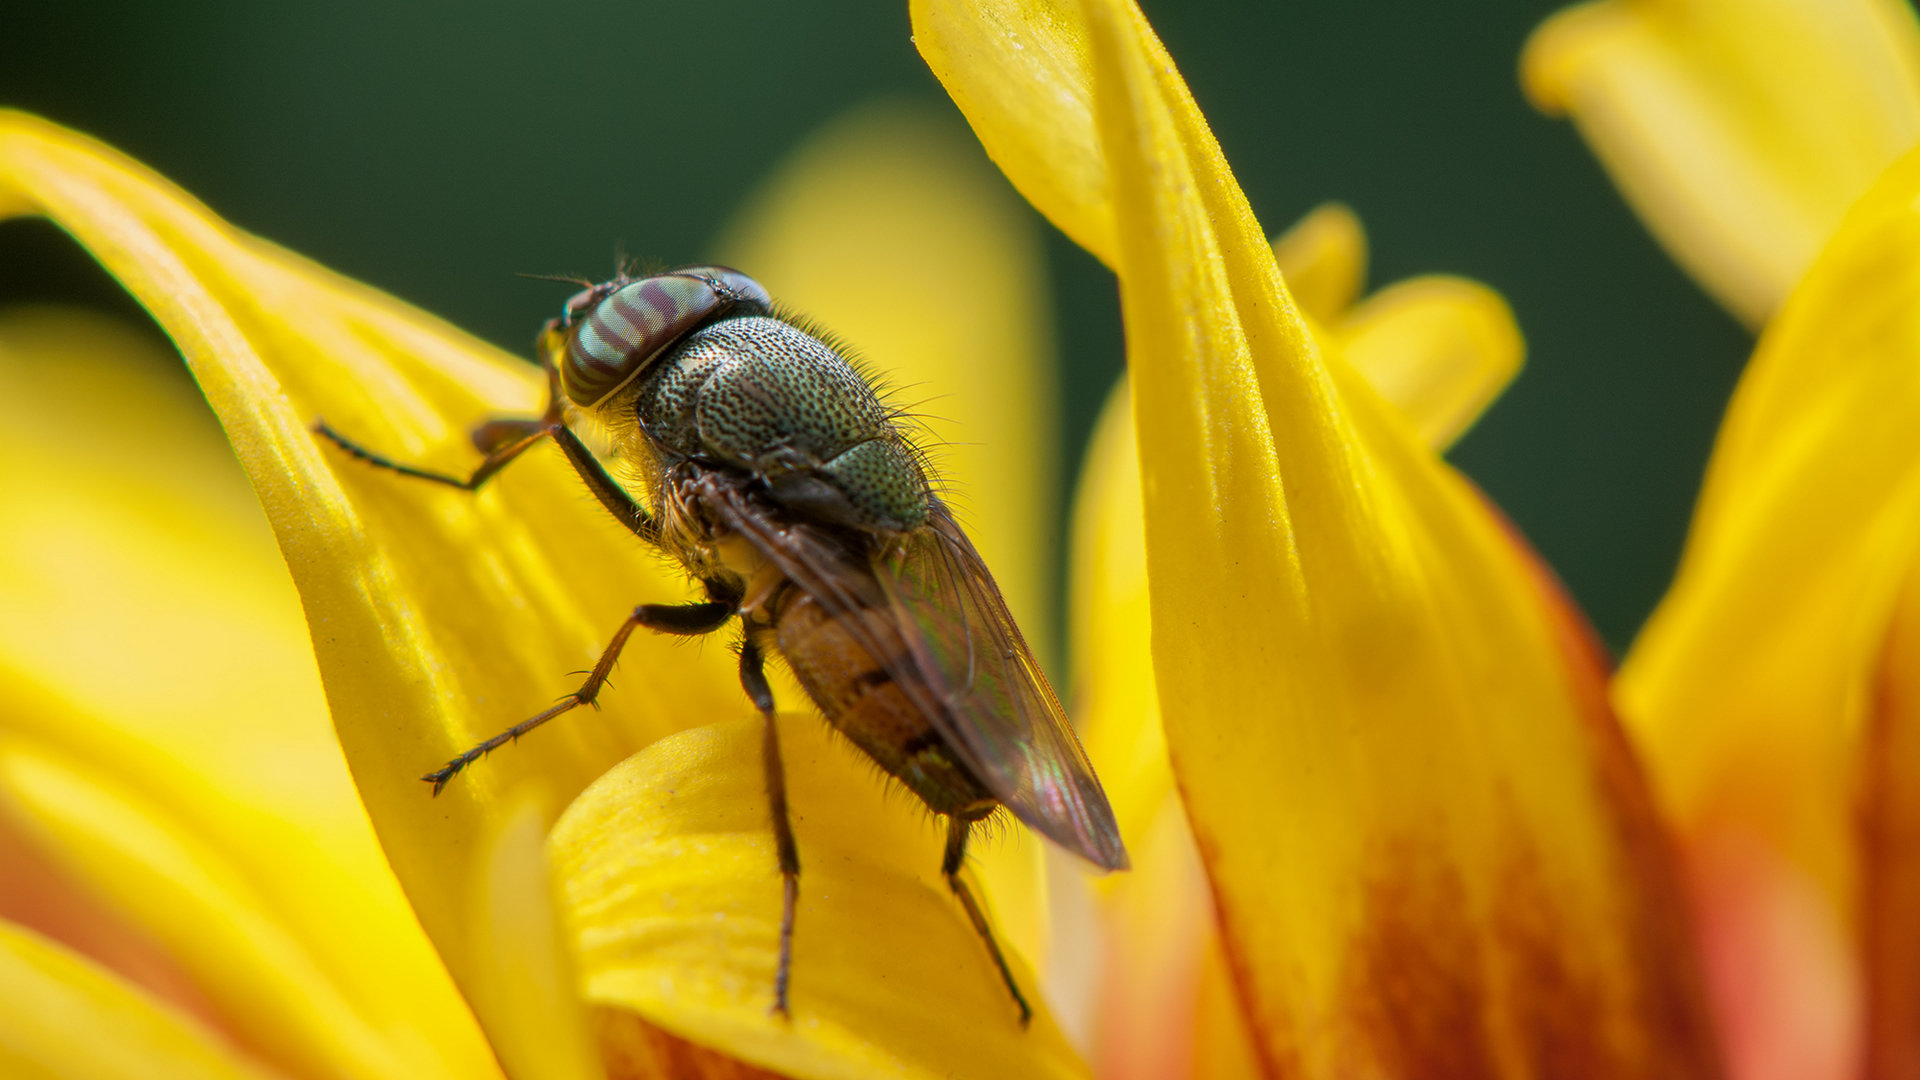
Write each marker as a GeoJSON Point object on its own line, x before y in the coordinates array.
{"type": "Point", "coordinates": [965, 666]}
{"type": "Point", "coordinates": [995, 709]}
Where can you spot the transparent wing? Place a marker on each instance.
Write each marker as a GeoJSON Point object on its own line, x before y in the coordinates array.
{"type": "Point", "coordinates": [996, 709]}
{"type": "Point", "coordinates": [965, 665]}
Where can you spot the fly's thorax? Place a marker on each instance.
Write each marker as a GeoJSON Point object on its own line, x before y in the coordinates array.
{"type": "Point", "coordinates": [763, 396]}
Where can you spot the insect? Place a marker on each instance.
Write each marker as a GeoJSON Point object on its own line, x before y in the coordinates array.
{"type": "Point", "coordinates": [774, 474]}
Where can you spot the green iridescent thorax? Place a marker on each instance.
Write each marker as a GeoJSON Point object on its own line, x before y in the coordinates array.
{"type": "Point", "coordinates": [766, 397]}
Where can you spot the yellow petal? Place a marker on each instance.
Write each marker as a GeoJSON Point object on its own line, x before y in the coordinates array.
{"type": "Point", "coordinates": [152, 639]}
{"type": "Point", "coordinates": [542, 1031]}
{"type": "Point", "coordinates": [1750, 686]}
{"type": "Point", "coordinates": [1115, 697]}
{"type": "Point", "coordinates": [1323, 258]}
{"type": "Point", "coordinates": [61, 1018]}
{"type": "Point", "coordinates": [1159, 925]}
{"type": "Point", "coordinates": [1051, 153]}
{"type": "Point", "coordinates": [1740, 130]}
{"type": "Point", "coordinates": [1414, 813]}
{"type": "Point", "coordinates": [438, 618]}
{"type": "Point", "coordinates": [671, 889]}
{"type": "Point", "coordinates": [1439, 349]}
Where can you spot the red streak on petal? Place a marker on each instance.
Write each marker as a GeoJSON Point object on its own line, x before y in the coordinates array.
{"type": "Point", "coordinates": [1890, 854]}
{"type": "Point", "coordinates": [39, 895]}
{"type": "Point", "coordinates": [1778, 971]}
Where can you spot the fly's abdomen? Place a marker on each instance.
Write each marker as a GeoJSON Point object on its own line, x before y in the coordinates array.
{"type": "Point", "coordinates": [868, 706]}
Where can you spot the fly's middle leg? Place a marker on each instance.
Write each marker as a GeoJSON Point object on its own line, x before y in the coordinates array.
{"type": "Point", "coordinates": [753, 677]}
{"type": "Point", "coordinates": [956, 856]}
{"type": "Point", "coordinates": [688, 620]}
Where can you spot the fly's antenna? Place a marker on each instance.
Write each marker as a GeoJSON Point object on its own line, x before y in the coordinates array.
{"type": "Point", "coordinates": [564, 279]}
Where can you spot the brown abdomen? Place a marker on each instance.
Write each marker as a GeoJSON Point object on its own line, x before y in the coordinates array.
{"type": "Point", "coordinates": [869, 707]}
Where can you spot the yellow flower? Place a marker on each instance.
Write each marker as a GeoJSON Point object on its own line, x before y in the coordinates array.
{"type": "Point", "coordinates": [1772, 692]}
{"type": "Point", "coordinates": [1426, 846]}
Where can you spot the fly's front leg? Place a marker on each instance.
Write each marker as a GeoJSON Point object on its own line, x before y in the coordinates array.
{"type": "Point", "coordinates": [687, 620]}
{"type": "Point", "coordinates": [753, 676]}
{"type": "Point", "coordinates": [503, 439]}
{"type": "Point", "coordinates": [956, 857]}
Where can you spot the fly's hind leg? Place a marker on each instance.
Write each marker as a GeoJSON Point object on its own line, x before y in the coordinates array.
{"type": "Point", "coordinates": [753, 676]}
{"type": "Point", "coordinates": [687, 620]}
{"type": "Point", "coordinates": [957, 830]}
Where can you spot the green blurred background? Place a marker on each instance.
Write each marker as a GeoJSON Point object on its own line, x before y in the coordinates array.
{"type": "Point", "coordinates": [436, 149]}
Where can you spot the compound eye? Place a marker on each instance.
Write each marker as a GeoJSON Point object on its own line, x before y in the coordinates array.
{"type": "Point", "coordinates": [737, 286]}
{"type": "Point", "coordinates": [630, 326]}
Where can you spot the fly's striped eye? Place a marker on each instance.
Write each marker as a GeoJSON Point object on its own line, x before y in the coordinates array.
{"type": "Point", "coordinates": [627, 327]}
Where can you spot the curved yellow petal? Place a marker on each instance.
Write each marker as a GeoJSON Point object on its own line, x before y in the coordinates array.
{"type": "Point", "coordinates": [1749, 688]}
{"type": "Point", "coordinates": [1429, 850]}
{"type": "Point", "coordinates": [891, 231]}
{"type": "Point", "coordinates": [1440, 349]}
{"type": "Point", "coordinates": [1323, 259]}
{"type": "Point", "coordinates": [1051, 153]}
{"type": "Point", "coordinates": [1740, 130]}
{"type": "Point", "coordinates": [152, 639]}
{"type": "Point", "coordinates": [437, 618]}
{"type": "Point", "coordinates": [671, 889]}
{"type": "Point", "coordinates": [61, 1018]}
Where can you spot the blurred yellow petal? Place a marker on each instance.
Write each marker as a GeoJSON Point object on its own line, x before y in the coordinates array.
{"type": "Point", "coordinates": [542, 1033]}
{"type": "Point", "coordinates": [1159, 926]}
{"type": "Point", "coordinates": [888, 228]}
{"type": "Point", "coordinates": [437, 617]}
{"type": "Point", "coordinates": [1323, 259]}
{"type": "Point", "coordinates": [1428, 848]}
{"type": "Point", "coordinates": [671, 891]}
{"type": "Point", "coordinates": [1749, 689]}
{"type": "Point", "coordinates": [1740, 130]}
{"type": "Point", "coordinates": [1439, 349]}
{"type": "Point", "coordinates": [1115, 697]}
{"type": "Point", "coordinates": [61, 1018]}
{"type": "Point", "coordinates": [168, 659]}
{"type": "Point", "coordinates": [265, 983]}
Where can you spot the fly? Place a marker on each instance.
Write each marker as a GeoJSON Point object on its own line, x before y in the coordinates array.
{"type": "Point", "coordinates": [775, 476]}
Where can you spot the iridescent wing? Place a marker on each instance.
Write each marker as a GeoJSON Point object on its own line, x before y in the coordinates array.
{"type": "Point", "coordinates": [996, 710]}
{"type": "Point", "coordinates": [966, 665]}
